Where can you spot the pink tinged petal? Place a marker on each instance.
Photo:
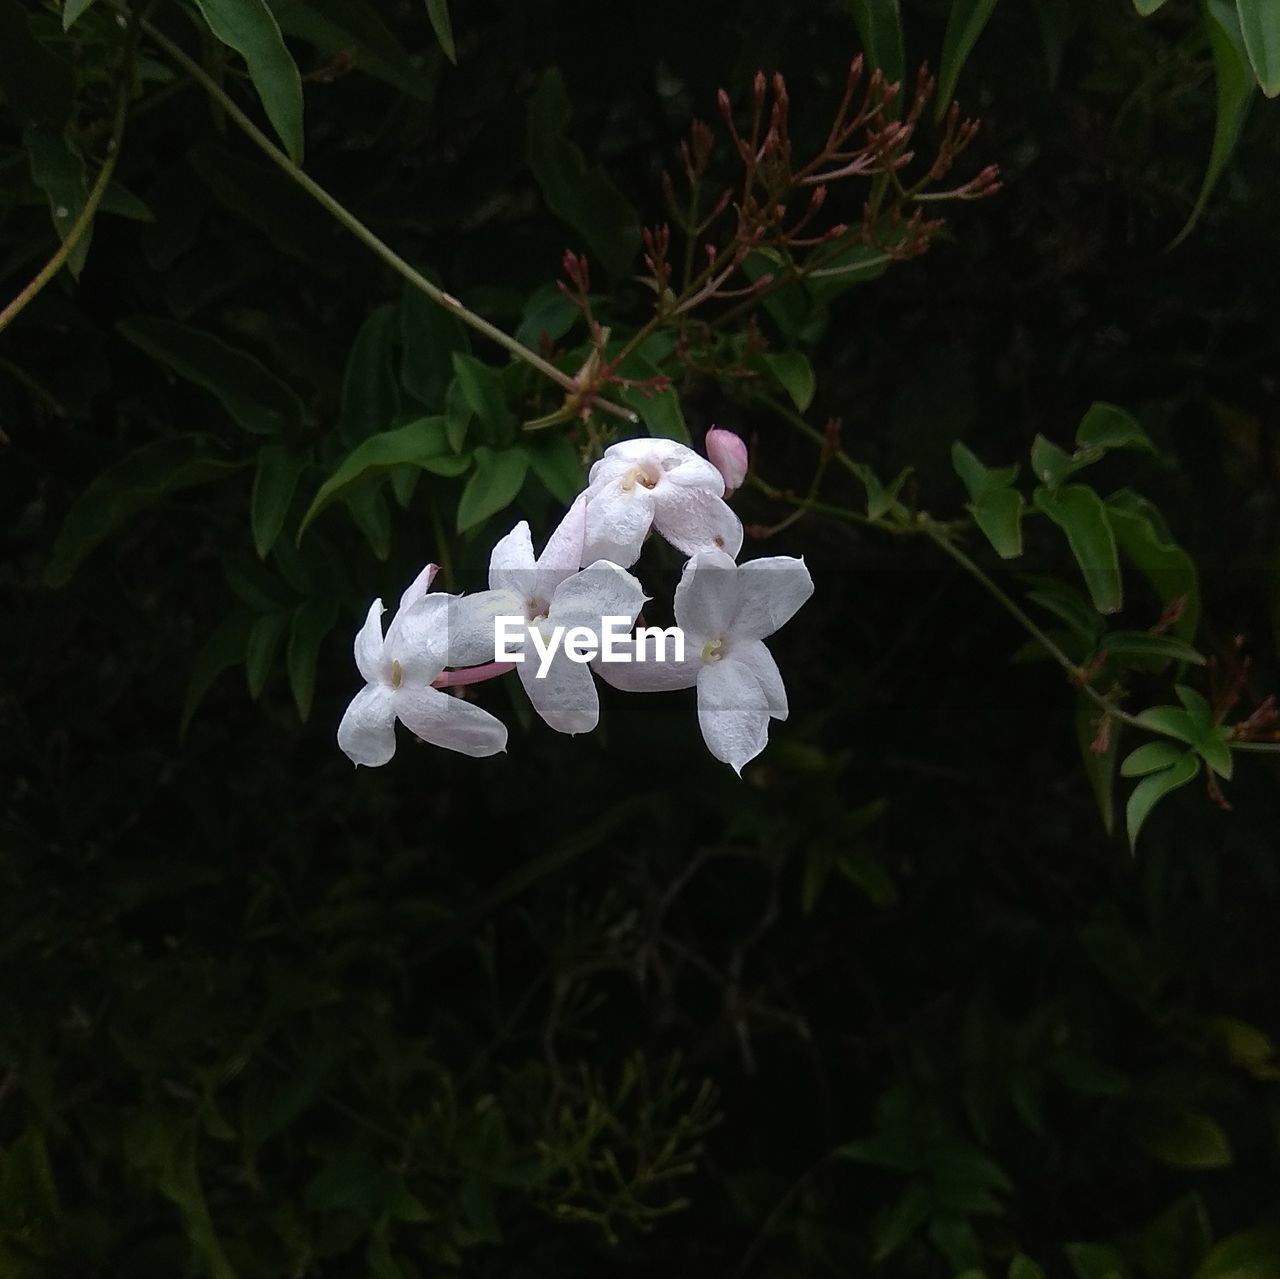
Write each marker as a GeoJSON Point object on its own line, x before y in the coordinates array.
{"type": "Point", "coordinates": [771, 591]}
{"type": "Point", "coordinates": [733, 713]}
{"type": "Point", "coordinates": [616, 524]}
{"type": "Point", "coordinates": [649, 675]}
{"type": "Point", "coordinates": [759, 661]}
{"type": "Point", "coordinates": [694, 520]}
{"type": "Point", "coordinates": [562, 554]}
{"type": "Point", "coordinates": [367, 732]}
{"type": "Point", "coordinates": [566, 696]}
{"type": "Point", "coordinates": [450, 722]}
{"type": "Point", "coordinates": [727, 452]}
{"type": "Point", "coordinates": [471, 625]}
{"type": "Point", "coordinates": [511, 566]}
{"type": "Point", "coordinates": [418, 641]}
{"type": "Point", "coordinates": [599, 591]}
{"type": "Point", "coordinates": [707, 597]}
{"type": "Point", "coordinates": [419, 586]}
{"type": "Point", "coordinates": [368, 646]}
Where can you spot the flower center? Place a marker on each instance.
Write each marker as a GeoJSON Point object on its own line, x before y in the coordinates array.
{"type": "Point", "coordinates": [711, 650]}
{"type": "Point", "coordinates": [638, 475]}
{"type": "Point", "coordinates": [536, 610]}
{"type": "Point", "coordinates": [396, 674]}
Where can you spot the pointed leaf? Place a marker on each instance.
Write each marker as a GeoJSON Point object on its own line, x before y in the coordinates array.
{"type": "Point", "coordinates": [1079, 512]}
{"type": "Point", "coordinates": [1189, 1139]}
{"type": "Point", "coordinates": [497, 478]}
{"type": "Point", "coordinates": [133, 484]}
{"type": "Point", "coordinates": [274, 484]}
{"type": "Point", "coordinates": [793, 372]}
{"type": "Point", "coordinates": [421, 444]}
{"type": "Point", "coordinates": [1146, 544]}
{"type": "Point", "coordinates": [998, 514]}
{"type": "Point", "coordinates": [1107, 426]}
{"type": "Point", "coordinates": [880, 33]}
{"type": "Point", "coordinates": [260, 650]}
{"type": "Point", "coordinates": [484, 392]}
{"type": "Point", "coordinates": [1233, 76]}
{"type": "Point", "coordinates": [438, 12]}
{"type": "Point", "coordinates": [1172, 721]}
{"type": "Point", "coordinates": [1260, 26]}
{"type": "Point", "coordinates": [248, 27]}
{"type": "Point", "coordinates": [1150, 757]}
{"type": "Point", "coordinates": [1139, 644]}
{"type": "Point", "coordinates": [59, 171]}
{"type": "Point", "coordinates": [311, 622]}
{"type": "Point", "coordinates": [1152, 789]}
{"type": "Point", "coordinates": [1100, 766]}
{"type": "Point", "coordinates": [965, 23]}
{"type": "Point", "coordinates": [257, 400]}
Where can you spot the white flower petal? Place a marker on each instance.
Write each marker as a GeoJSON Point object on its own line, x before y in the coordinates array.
{"type": "Point", "coordinates": [562, 554]}
{"type": "Point", "coordinates": [418, 640]}
{"type": "Point", "coordinates": [450, 722]}
{"type": "Point", "coordinates": [733, 713]}
{"type": "Point", "coordinates": [471, 624]}
{"type": "Point", "coordinates": [770, 590]}
{"type": "Point", "coordinates": [617, 521]}
{"type": "Point", "coordinates": [368, 645]}
{"type": "Point", "coordinates": [707, 596]}
{"type": "Point", "coordinates": [511, 565]}
{"type": "Point", "coordinates": [598, 591]}
{"type": "Point", "coordinates": [759, 661]}
{"type": "Point", "coordinates": [692, 471]}
{"type": "Point", "coordinates": [565, 696]}
{"type": "Point", "coordinates": [649, 676]}
{"type": "Point", "coordinates": [693, 519]}
{"type": "Point", "coordinates": [419, 586]}
{"type": "Point", "coordinates": [367, 732]}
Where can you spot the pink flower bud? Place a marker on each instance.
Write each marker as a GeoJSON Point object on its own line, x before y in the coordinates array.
{"type": "Point", "coordinates": [728, 454]}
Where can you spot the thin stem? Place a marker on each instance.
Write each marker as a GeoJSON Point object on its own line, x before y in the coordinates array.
{"type": "Point", "coordinates": [84, 220]}
{"type": "Point", "coordinates": [367, 237]}
{"type": "Point", "coordinates": [471, 675]}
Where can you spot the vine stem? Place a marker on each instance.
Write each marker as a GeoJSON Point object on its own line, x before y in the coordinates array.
{"type": "Point", "coordinates": [372, 241]}
{"type": "Point", "coordinates": [84, 220]}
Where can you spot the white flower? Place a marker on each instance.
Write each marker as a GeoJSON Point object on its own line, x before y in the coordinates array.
{"type": "Point", "coordinates": [726, 610]}
{"type": "Point", "coordinates": [549, 592]}
{"type": "Point", "coordinates": [639, 484]}
{"type": "Point", "coordinates": [399, 670]}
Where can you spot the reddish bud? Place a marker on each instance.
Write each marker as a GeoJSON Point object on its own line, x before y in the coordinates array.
{"type": "Point", "coordinates": [727, 452]}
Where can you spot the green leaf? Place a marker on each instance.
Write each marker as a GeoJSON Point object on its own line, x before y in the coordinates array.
{"type": "Point", "coordinates": [483, 389]}
{"type": "Point", "coordinates": [1233, 76]}
{"type": "Point", "coordinates": [965, 23]}
{"type": "Point", "coordinates": [248, 27]}
{"type": "Point", "coordinates": [429, 335]}
{"type": "Point", "coordinates": [438, 12]}
{"type": "Point", "coordinates": [59, 172]}
{"type": "Point", "coordinates": [881, 498]}
{"type": "Point", "coordinates": [557, 464]}
{"type": "Point", "coordinates": [493, 485]}
{"type": "Point", "coordinates": [223, 649]}
{"type": "Point", "coordinates": [260, 650]}
{"type": "Point", "coordinates": [1251, 1254]}
{"type": "Point", "coordinates": [793, 372]}
{"type": "Point", "coordinates": [312, 621]}
{"type": "Point", "coordinates": [1150, 757]}
{"type": "Point", "coordinates": [1096, 1261]}
{"type": "Point", "coordinates": [256, 399]}
{"type": "Point", "coordinates": [1153, 788]}
{"type": "Point", "coordinates": [1216, 753]}
{"type": "Point", "coordinates": [421, 443]}
{"type": "Point", "coordinates": [1147, 7]}
{"type": "Point", "coordinates": [354, 28]}
{"type": "Point", "coordinates": [1196, 707]}
{"type": "Point", "coordinates": [999, 515]}
{"type": "Point", "coordinates": [131, 485]}
{"type": "Point", "coordinates": [1053, 465]}
{"type": "Point", "coordinates": [370, 395]}
{"type": "Point", "coordinates": [1171, 721]}
{"type": "Point", "coordinates": [1107, 426]}
{"type": "Point", "coordinates": [547, 314]}
{"type": "Point", "coordinates": [583, 197]}
{"type": "Point", "coordinates": [1145, 543]}
{"type": "Point", "coordinates": [660, 413]}
{"type": "Point", "coordinates": [1022, 1267]}
{"type": "Point", "coordinates": [1260, 26]}
{"type": "Point", "coordinates": [372, 516]}
{"type": "Point", "coordinates": [978, 479]}
{"type": "Point", "coordinates": [274, 484]}
{"type": "Point", "coordinates": [1099, 766]}
{"type": "Point", "coordinates": [1079, 512]}
{"type": "Point", "coordinates": [1142, 645]}
{"type": "Point", "coordinates": [1071, 607]}
{"type": "Point", "coordinates": [880, 31]}
{"type": "Point", "coordinates": [71, 11]}
{"type": "Point", "coordinates": [1188, 1139]}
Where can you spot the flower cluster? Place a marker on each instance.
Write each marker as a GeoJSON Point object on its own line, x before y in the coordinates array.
{"type": "Point", "coordinates": [558, 602]}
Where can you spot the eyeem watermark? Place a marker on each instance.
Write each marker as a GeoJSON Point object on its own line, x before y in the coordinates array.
{"type": "Point", "coordinates": [614, 643]}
